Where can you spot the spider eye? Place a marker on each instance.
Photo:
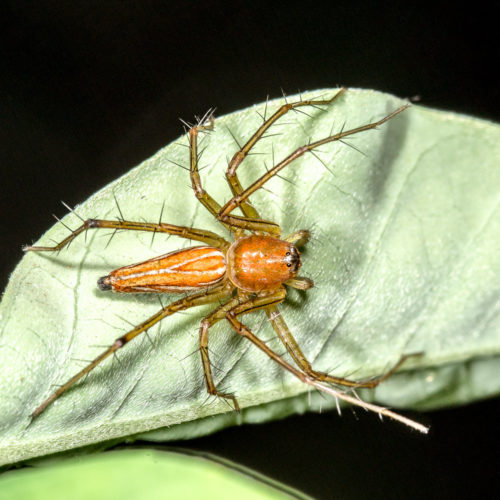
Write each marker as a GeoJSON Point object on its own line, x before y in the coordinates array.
{"type": "Point", "coordinates": [289, 265]}
{"type": "Point", "coordinates": [287, 254]}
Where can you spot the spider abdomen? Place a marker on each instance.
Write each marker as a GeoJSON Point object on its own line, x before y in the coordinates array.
{"type": "Point", "coordinates": [179, 271]}
{"type": "Point", "coordinates": [257, 263]}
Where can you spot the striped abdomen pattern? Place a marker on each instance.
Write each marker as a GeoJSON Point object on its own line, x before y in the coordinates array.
{"type": "Point", "coordinates": [176, 272]}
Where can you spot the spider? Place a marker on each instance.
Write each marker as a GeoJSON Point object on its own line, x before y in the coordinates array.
{"type": "Point", "coordinates": [248, 274]}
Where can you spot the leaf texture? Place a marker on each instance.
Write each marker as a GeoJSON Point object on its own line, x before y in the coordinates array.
{"type": "Point", "coordinates": [404, 255]}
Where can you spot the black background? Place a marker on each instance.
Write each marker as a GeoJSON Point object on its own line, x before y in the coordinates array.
{"type": "Point", "coordinates": [90, 89]}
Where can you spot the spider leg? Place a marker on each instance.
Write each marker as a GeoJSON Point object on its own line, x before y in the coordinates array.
{"type": "Point", "coordinates": [207, 237]}
{"type": "Point", "coordinates": [300, 283]}
{"type": "Point", "coordinates": [236, 306]}
{"type": "Point", "coordinates": [251, 215]}
{"type": "Point", "coordinates": [208, 321]}
{"type": "Point", "coordinates": [293, 348]}
{"type": "Point", "coordinates": [240, 155]}
{"type": "Point", "coordinates": [215, 294]}
{"type": "Point", "coordinates": [205, 199]}
{"type": "Point", "coordinates": [244, 331]}
{"type": "Point", "coordinates": [298, 238]}
{"type": "Point", "coordinates": [224, 214]}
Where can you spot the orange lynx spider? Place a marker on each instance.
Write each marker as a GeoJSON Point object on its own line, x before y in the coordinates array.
{"type": "Point", "coordinates": [246, 275]}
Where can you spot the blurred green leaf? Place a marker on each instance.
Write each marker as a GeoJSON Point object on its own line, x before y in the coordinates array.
{"type": "Point", "coordinates": [405, 258]}
{"type": "Point", "coordinates": [141, 474]}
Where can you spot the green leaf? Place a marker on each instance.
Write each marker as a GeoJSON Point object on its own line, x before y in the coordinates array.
{"type": "Point", "coordinates": [406, 232]}
{"type": "Point", "coordinates": [141, 474]}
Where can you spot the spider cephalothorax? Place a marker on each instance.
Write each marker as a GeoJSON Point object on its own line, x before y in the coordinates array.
{"type": "Point", "coordinates": [259, 264]}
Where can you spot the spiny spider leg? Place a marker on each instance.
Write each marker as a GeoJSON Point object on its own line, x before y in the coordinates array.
{"type": "Point", "coordinates": [250, 212]}
{"type": "Point", "coordinates": [205, 199]}
{"type": "Point", "coordinates": [208, 321]}
{"type": "Point", "coordinates": [190, 233]}
{"type": "Point", "coordinates": [244, 331]}
{"type": "Point", "coordinates": [234, 222]}
{"type": "Point", "coordinates": [293, 348]}
{"type": "Point", "coordinates": [256, 225]}
{"type": "Point", "coordinates": [238, 305]}
{"type": "Point", "coordinates": [205, 297]}
{"type": "Point", "coordinates": [235, 162]}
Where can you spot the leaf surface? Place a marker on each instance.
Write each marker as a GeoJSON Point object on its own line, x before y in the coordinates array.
{"type": "Point", "coordinates": [138, 474]}
{"type": "Point", "coordinates": [404, 255]}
